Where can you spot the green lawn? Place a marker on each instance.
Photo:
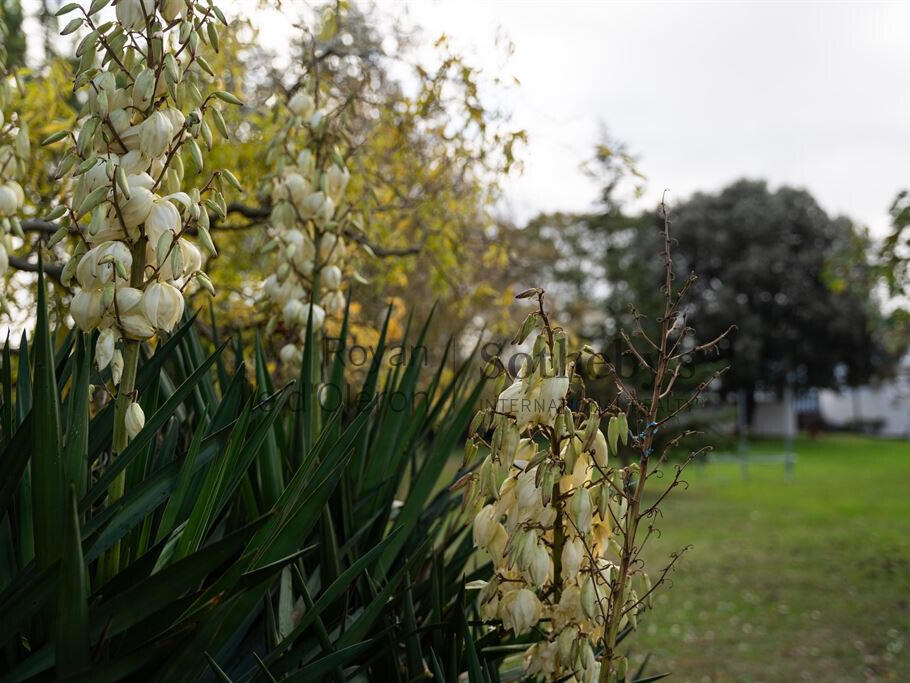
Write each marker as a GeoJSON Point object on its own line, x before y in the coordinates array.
{"type": "Point", "coordinates": [807, 579]}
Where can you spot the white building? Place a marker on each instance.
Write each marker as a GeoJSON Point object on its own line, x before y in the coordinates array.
{"type": "Point", "coordinates": [882, 408]}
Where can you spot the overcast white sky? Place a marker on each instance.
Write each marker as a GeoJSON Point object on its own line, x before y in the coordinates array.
{"type": "Point", "coordinates": [811, 94]}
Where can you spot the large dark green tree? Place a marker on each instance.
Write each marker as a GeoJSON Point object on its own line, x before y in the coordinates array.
{"type": "Point", "coordinates": [796, 282]}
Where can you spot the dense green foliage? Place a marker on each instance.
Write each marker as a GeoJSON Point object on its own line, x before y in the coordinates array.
{"type": "Point", "coordinates": [262, 532]}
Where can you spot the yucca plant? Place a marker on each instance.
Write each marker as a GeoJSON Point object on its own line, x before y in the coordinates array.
{"type": "Point", "coordinates": [261, 538]}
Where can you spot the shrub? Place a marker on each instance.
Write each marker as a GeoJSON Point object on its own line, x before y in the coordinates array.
{"type": "Point", "coordinates": [262, 532]}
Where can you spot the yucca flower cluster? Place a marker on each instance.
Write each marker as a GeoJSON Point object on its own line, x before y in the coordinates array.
{"type": "Point", "coordinates": [545, 509]}
{"type": "Point", "coordinates": [307, 222]}
{"type": "Point", "coordinates": [140, 81]}
{"type": "Point", "coordinates": [14, 153]}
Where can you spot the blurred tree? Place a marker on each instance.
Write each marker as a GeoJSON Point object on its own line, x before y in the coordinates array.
{"type": "Point", "coordinates": [47, 22]}
{"type": "Point", "coordinates": [431, 151]}
{"type": "Point", "coordinates": [576, 256]}
{"type": "Point", "coordinates": [14, 38]}
{"type": "Point", "coordinates": [798, 284]}
{"type": "Point", "coordinates": [894, 253]}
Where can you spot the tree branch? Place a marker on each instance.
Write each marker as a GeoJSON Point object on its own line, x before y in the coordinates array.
{"type": "Point", "coordinates": [254, 213]}
{"type": "Point", "coordinates": [50, 269]}
{"type": "Point", "coordinates": [260, 212]}
{"type": "Point", "coordinates": [38, 225]}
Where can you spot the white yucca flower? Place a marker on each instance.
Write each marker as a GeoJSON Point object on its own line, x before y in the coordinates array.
{"type": "Point", "coordinates": [155, 135]}
{"type": "Point", "coordinates": [104, 349]}
{"type": "Point", "coordinates": [542, 507]}
{"type": "Point", "coordinates": [9, 201]}
{"type": "Point", "coordinates": [135, 419]}
{"type": "Point", "coordinates": [132, 14]}
{"type": "Point", "coordinates": [148, 96]}
{"type": "Point", "coordinates": [306, 226]}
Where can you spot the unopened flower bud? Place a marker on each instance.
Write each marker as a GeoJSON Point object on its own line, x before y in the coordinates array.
{"type": "Point", "coordinates": [134, 420]}
{"type": "Point", "coordinates": [599, 448]}
{"type": "Point", "coordinates": [117, 367]}
{"type": "Point", "coordinates": [573, 552]}
{"type": "Point", "coordinates": [580, 510]}
{"type": "Point", "coordinates": [589, 597]}
{"type": "Point", "coordinates": [104, 349]}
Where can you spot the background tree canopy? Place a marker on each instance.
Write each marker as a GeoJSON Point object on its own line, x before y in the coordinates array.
{"type": "Point", "coordinates": [431, 154]}
{"type": "Point", "coordinates": [798, 284]}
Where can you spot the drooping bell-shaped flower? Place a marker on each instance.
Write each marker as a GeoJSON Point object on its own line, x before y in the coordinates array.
{"type": "Point", "coordinates": [545, 404]}
{"type": "Point", "coordinates": [133, 13]}
{"type": "Point", "coordinates": [171, 9]}
{"type": "Point", "coordinates": [155, 135]}
{"type": "Point", "coordinates": [318, 318]}
{"type": "Point", "coordinates": [103, 263]}
{"type": "Point", "coordinates": [8, 201]}
{"type": "Point", "coordinates": [485, 526]}
{"type": "Point", "coordinates": [136, 326]}
{"type": "Point", "coordinates": [289, 354]}
{"type": "Point", "coordinates": [572, 555]}
{"type": "Point", "coordinates": [333, 302]}
{"type": "Point", "coordinates": [336, 180]}
{"type": "Point", "coordinates": [519, 610]}
{"type": "Point", "coordinates": [312, 204]}
{"type": "Point", "coordinates": [580, 510]}
{"type": "Point", "coordinates": [589, 597]}
{"type": "Point", "coordinates": [330, 277]}
{"type": "Point", "coordinates": [301, 104]}
{"type": "Point", "coordinates": [162, 217]}
{"type": "Point", "coordinates": [162, 304]}
{"type": "Point", "coordinates": [86, 309]}
{"type": "Point", "coordinates": [539, 566]}
{"type": "Point", "coordinates": [127, 299]}
{"type": "Point", "coordinates": [295, 188]}
{"type": "Point", "coordinates": [136, 209]}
